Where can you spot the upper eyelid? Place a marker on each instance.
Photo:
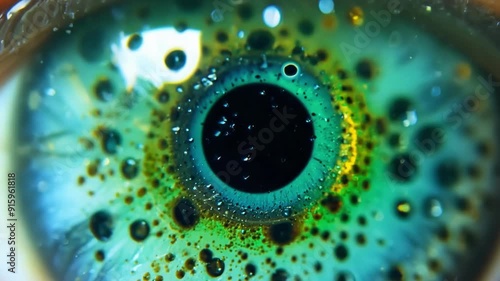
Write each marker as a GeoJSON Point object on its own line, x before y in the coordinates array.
{"type": "Point", "coordinates": [24, 31]}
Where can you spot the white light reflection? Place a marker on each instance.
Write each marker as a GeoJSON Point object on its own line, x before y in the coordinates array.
{"type": "Point", "coordinates": [271, 16]}
{"type": "Point", "coordinates": [148, 61]}
{"type": "Point", "coordinates": [326, 6]}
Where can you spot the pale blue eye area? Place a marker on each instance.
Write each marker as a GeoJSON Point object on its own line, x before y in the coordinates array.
{"type": "Point", "coordinates": [118, 185]}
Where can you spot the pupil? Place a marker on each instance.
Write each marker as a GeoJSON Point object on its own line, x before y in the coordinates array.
{"type": "Point", "coordinates": [258, 138]}
{"type": "Point", "coordinates": [290, 70]}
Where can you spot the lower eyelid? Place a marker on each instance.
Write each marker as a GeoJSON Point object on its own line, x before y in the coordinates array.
{"type": "Point", "coordinates": [121, 210]}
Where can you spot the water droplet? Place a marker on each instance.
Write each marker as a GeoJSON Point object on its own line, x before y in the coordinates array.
{"type": "Point", "coordinates": [130, 168]}
{"type": "Point", "coordinates": [434, 208]}
{"type": "Point", "coordinates": [179, 89]}
{"type": "Point", "coordinates": [139, 230]}
{"type": "Point", "coordinates": [176, 129]}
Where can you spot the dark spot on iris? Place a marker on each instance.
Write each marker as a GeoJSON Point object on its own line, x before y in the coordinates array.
{"type": "Point", "coordinates": [250, 270]}
{"type": "Point", "coordinates": [306, 27]}
{"type": "Point", "coordinates": [365, 69]}
{"type": "Point", "coordinates": [395, 274]}
{"type": "Point", "coordinates": [174, 114]}
{"type": "Point", "coordinates": [99, 255]}
{"type": "Point", "coordinates": [447, 173]}
{"type": "Point", "coordinates": [344, 217]}
{"type": "Point", "coordinates": [381, 126]}
{"type": "Point", "coordinates": [245, 11]}
{"type": "Point", "coordinates": [134, 42]}
{"type": "Point", "coordinates": [434, 265]}
{"type": "Point", "coordinates": [175, 60]}
{"type": "Point", "coordinates": [189, 5]}
{"type": "Point", "coordinates": [185, 213]}
{"type": "Point", "coordinates": [189, 264]}
{"type": "Point", "coordinates": [291, 70]}
{"type": "Point", "coordinates": [429, 139]}
{"type": "Point", "coordinates": [322, 55]}
{"type": "Point", "coordinates": [468, 237]}
{"type": "Point", "coordinates": [179, 274]}
{"type": "Point", "coordinates": [257, 154]}
{"type": "Point", "coordinates": [169, 257]}
{"type": "Point", "coordinates": [280, 275]}
{"type": "Point", "coordinates": [282, 233]}
{"type": "Point", "coordinates": [342, 74]}
{"type": "Point", "coordinates": [318, 266]}
{"type": "Point", "coordinates": [162, 144]}
{"type": "Point", "coordinates": [395, 140]}
{"type": "Point", "coordinates": [104, 90]}
{"type": "Point", "coordinates": [260, 40]}
{"type": "Point", "coordinates": [284, 32]}
{"type": "Point", "coordinates": [110, 140]}
{"type": "Point", "coordinates": [139, 230]}
{"type": "Point", "coordinates": [345, 276]}
{"type": "Point", "coordinates": [474, 171]}
{"type": "Point", "coordinates": [221, 37]}
{"type": "Point", "coordinates": [399, 108]}
{"type": "Point", "coordinates": [343, 235]}
{"type": "Point", "coordinates": [215, 267]}
{"type": "Point", "coordinates": [360, 239]}
{"type": "Point", "coordinates": [298, 50]}
{"type": "Point", "coordinates": [279, 251]}
{"type": "Point", "coordinates": [362, 220]}
{"type": "Point", "coordinates": [206, 255]}
{"type": "Point", "coordinates": [314, 231]}
{"type": "Point", "coordinates": [93, 45]}
{"type": "Point", "coordinates": [130, 168]}
{"type": "Point", "coordinates": [463, 204]}
{"type": "Point", "coordinates": [443, 233]}
{"type": "Point", "coordinates": [341, 252]}
{"type": "Point", "coordinates": [101, 225]}
{"type": "Point", "coordinates": [401, 168]}
{"type": "Point", "coordinates": [163, 96]}
{"type": "Point", "coordinates": [332, 202]}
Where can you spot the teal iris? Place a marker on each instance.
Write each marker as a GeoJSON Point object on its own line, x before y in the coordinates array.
{"type": "Point", "coordinates": [210, 187]}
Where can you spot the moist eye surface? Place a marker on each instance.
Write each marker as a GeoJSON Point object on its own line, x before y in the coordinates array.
{"type": "Point", "coordinates": [191, 140]}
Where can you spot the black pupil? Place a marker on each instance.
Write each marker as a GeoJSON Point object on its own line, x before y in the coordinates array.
{"type": "Point", "coordinates": [290, 70]}
{"type": "Point", "coordinates": [258, 138]}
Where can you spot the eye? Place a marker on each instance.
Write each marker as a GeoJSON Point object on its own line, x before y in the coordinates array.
{"type": "Point", "coordinates": [236, 140]}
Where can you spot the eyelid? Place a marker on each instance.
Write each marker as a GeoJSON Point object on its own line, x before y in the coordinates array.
{"type": "Point", "coordinates": [28, 28]}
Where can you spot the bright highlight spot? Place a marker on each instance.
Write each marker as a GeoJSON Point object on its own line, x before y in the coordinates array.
{"type": "Point", "coordinates": [148, 61]}
{"type": "Point", "coordinates": [326, 6]}
{"type": "Point", "coordinates": [272, 16]}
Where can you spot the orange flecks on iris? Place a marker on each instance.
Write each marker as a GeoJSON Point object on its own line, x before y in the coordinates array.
{"type": "Point", "coordinates": [348, 149]}
{"type": "Point", "coordinates": [463, 71]}
{"type": "Point", "coordinates": [329, 22]}
{"type": "Point", "coordinates": [356, 16]}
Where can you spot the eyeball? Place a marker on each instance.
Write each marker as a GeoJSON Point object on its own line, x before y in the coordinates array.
{"type": "Point", "coordinates": [236, 140]}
